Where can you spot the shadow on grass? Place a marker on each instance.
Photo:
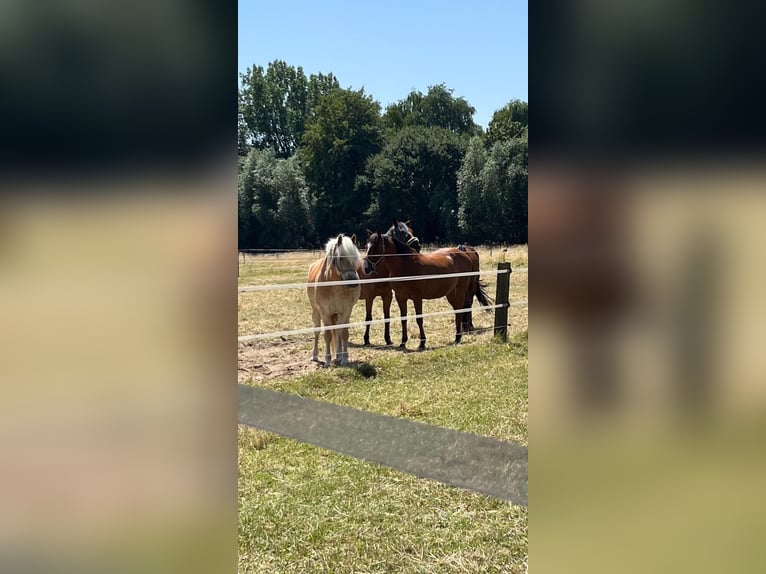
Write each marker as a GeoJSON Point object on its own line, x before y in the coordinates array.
{"type": "Point", "coordinates": [391, 347]}
{"type": "Point", "coordinates": [367, 370]}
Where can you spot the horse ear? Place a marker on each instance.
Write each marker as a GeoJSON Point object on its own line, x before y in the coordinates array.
{"type": "Point", "coordinates": [407, 223]}
{"type": "Point", "coordinates": [396, 223]}
{"type": "Point", "coordinates": [353, 239]}
{"type": "Point", "coordinates": [340, 240]}
{"type": "Point", "coordinates": [369, 233]}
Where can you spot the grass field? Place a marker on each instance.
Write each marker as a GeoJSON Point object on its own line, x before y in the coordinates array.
{"type": "Point", "coordinates": [305, 509]}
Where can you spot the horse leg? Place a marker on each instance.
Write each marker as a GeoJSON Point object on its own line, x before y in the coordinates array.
{"type": "Point", "coordinates": [316, 317]}
{"type": "Point", "coordinates": [456, 301]}
{"type": "Point", "coordinates": [341, 336]}
{"type": "Point", "coordinates": [468, 315]}
{"type": "Point", "coordinates": [367, 317]}
{"type": "Point", "coordinates": [328, 340]}
{"type": "Point", "coordinates": [387, 315]}
{"type": "Point", "coordinates": [419, 311]}
{"type": "Point", "coordinates": [402, 302]}
{"type": "Point", "coordinates": [341, 355]}
{"type": "Point", "coordinates": [344, 345]}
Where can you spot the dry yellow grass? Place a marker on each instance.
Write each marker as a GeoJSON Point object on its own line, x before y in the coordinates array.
{"type": "Point", "coordinates": [282, 310]}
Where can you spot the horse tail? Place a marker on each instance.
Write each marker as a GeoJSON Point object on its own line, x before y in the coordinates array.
{"type": "Point", "coordinates": [483, 296]}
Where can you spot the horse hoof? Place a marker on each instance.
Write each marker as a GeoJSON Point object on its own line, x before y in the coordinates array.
{"type": "Point", "coordinates": [403, 346]}
{"type": "Point", "coordinates": [422, 347]}
{"type": "Point", "coordinates": [366, 344]}
{"type": "Point", "coordinates": [389, 343]}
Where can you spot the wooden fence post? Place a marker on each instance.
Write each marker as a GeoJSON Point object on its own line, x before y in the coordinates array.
{"type": "Point", "coordinates": [501, 298]}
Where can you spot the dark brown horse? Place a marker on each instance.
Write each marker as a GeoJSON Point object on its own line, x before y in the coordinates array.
{"type": "Point", "coordinates": [384, 290]}
{"type": "Point", "coordinates": [404, 261]}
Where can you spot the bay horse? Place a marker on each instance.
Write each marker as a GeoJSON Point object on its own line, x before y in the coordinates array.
{"type": "Point", "coordinates": [332, 305]}
{"type": "Point", "coordinates": [477, 287]}
{"type": "Point", "coordinates": [455, 289]}
{"type": "Point", "coordinates": [384, 290]}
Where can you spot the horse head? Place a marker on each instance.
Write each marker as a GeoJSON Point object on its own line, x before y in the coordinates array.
{"type": "Point", "coordinates": [402, 231]}
{"type": "Point", "coordinates": [343, 254]}
{"type": "Point", "coordinates": [376, 251]}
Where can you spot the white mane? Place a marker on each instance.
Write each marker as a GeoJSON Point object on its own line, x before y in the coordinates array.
{"type": "Point", "coordinates": [347, 250]}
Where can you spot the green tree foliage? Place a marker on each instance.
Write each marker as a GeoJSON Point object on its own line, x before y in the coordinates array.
{"type": "Point", "coordinates": [342, 134]}
{"type": "Point", "coordinates": [437, 108]}
{"type": "Point", "coordinates": [474, 213]}
{"type": "Point", "coordinates": [316, 160]}
{"type": "Point", "coordinates": [508, 122]}
{"type": "Point", "coordinates": [275, 206]}
{"type": "Point", "coordinates": [414, 176]}
{"type": "Point", "coordinates": [506, 183]}
{"type": "Point", "coordinates": [319, 85]}
{"type": "Point", "coordinates": [275, 103]}
{"type": "Point", "coordinates": [242, 133]}
{"type": "Point", "coordinates": [492, 190]}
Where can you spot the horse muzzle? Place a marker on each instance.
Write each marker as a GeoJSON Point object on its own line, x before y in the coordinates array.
{"type": "Point", "coordinates": [351, 276]}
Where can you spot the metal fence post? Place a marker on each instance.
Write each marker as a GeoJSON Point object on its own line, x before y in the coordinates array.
{"type": "Point", "coordinates": [501, 298]}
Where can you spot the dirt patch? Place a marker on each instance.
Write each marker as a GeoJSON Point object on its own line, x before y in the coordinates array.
{"type": "Point", "coordinates": [265, 360]}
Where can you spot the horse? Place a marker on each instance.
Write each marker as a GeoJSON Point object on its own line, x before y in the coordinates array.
{"type": "Point", "coordinates": [384, 290]}
{"type": "Point", "coordinates": [412, 263]}
{"type": "Point", "coordinates": [332, 304]}
{"type": "Point", "coordinates": [477, 288]}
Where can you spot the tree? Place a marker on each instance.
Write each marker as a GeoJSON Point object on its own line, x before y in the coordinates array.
{"type": "Point", "coordinates": [513, 158]}
{"type": "Point", "coordinates": [414, 175]}
{"type": "Point", "coordinates": [508, 122]}
{"type": "Point", "coordinates": [438, 108]}
{"type": "Point", "coordinates": [319, 85]}
{"type": "Point", "coordinates": [492, 191]}
{"type": "Point", "coordinates": [275, 103]}
{"type": "Point", "coordinates": [295, 206]}
{"type": "Point", "coordinates": [343, 133]}
{"type": "Point", "coordinates": [242, 146]}
{"type": "Point", "coordinates": [275, 205]}
{"type": "Point", "coordinates": [473, 215]}
{"type": "Point", "coordinates": [255, 200]}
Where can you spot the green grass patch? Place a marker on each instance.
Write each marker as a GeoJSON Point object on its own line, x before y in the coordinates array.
{"type": "Point", "coordinates": [305, 509]}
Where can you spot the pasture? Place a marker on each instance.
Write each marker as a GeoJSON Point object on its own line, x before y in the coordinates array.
{"type": "Point", "coordinates": [305, 509]}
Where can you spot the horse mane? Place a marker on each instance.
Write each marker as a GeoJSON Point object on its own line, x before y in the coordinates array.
{"type": "Point", "coordinates": [346, 249]}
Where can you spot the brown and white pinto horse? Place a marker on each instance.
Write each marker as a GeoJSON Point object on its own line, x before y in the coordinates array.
{"type": "Point", "coordinates": [408, 263]}
{"type": "Point", "coordinates": [332, 305]}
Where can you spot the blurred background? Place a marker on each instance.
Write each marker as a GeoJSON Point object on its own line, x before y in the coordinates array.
{"type": "Point", "coordinates": [118, 286]}
{"type": "Point", "coordinates": [646, 222]}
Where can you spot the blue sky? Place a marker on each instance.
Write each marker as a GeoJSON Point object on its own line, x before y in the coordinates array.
{"type": "Point", "coordinates": [390, 47]}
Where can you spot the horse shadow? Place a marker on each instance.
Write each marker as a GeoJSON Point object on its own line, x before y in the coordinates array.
{"type": "Point", "coordinates": [392, 347]}
{"type": "Point", "coordinates": [367, 370]}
